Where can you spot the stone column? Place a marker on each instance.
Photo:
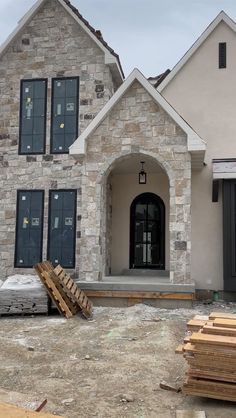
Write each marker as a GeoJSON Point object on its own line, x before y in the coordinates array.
{"type": "Point", "coordinates": [90, 245]}
{"type": "Point", "coordinates": [180, 225]}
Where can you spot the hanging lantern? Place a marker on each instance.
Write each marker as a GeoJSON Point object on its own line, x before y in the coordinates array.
{"type": "Point", "coordinates": [142, 174]}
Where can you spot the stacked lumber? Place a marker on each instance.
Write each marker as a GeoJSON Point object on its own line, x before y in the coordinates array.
{"type": "Point", "coordinates": [211, 355]}
{"type": "Point", "coordinates": [63, 291]}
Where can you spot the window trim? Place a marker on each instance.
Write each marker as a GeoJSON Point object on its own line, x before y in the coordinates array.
{"type": "Point", "coordinates": [77, 113]}
{"type": "Point", "coordinates": [17, 221]}
{"type": "Point", "coordinates": [51, 191]}
{"type": "Point", "coordinates": [21, 111]}
{"type": "Point", "coordinates": [222, 55]}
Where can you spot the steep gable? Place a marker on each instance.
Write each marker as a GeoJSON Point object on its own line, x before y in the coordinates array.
{"type": "Point", "coordinates": [111, 58]}
{"type": "Point", "coordinates": [194, 143]}
{"type": "Point", "coordinates": [221, 18]}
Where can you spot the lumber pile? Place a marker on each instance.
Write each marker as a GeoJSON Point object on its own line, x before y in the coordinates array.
{"type": "Point", "coordinates": [63, 291]}
{"type": "Point", "coordinates": [211, 355]}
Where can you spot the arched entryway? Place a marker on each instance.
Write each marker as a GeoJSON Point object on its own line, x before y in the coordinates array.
{"type": "Point", "coordinates": [147, 232]}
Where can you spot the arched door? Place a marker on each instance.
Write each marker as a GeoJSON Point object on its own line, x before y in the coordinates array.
{"type": "Point", "coordinates": [147, 232]}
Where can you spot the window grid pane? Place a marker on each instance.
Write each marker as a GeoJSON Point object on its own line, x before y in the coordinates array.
{"type": "Point", "coordinates": [33, 116]}
{"type": "Point", "coordinates": [62, 228]}
{"type": "Point", "coordinates": [64, 120]}
{"type": "Point", "coordinates": [29, 228]}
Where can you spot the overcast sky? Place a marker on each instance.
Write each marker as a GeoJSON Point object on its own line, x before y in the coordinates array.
{"type": "Point", "coordinates": [151, 35]}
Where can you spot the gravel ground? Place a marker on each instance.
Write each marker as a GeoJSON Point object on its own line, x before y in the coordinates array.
{"type": "Point", "coordinates": [108, 367]}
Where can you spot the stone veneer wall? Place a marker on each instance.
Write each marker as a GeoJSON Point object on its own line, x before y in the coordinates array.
{"type": "Point", "coordinates": [135, 125]}
{"type": "Point", "coordinates": [52, 45]}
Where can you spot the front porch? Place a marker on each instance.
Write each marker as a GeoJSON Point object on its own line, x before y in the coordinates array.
{"type": "Point", "coordinates": [139, 286]}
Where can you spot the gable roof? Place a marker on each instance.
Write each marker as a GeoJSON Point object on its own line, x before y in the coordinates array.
{"type": "Point", "coordinates": [195, 144]}
{"type": "Point", "coordinates": [111, 58]}
{"type": "Point", "coordinates": [221, 17]}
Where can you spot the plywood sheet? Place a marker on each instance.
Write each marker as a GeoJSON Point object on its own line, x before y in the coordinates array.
{"type": "Point", "coordinates": [12, 411]}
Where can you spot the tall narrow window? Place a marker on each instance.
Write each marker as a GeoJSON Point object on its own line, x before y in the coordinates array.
{"type": "Point", "coordinates": [222, 55]}
{"type": "Point", "coordinates": [33, 112]}
{"type": "Point", "coordinates": [62, 227]}
{"type": "Point", "coordinates": [64, 130]}
{"type": "Point", "coordinates": [29, 228]}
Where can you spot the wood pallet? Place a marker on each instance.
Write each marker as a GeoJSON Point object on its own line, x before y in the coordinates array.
{"type": "Point", "coordinates": [211, 356]}
{"type": "Point", "coordinates": [63, 291]}
{"type": "Point", "coordinates": [71, 289]}
{"type": "Point", "coordinates": [12, 411]}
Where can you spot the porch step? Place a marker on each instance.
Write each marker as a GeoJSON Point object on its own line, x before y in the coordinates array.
{"type": "Point", "coordinates": [145, 273]}
{"type": "Point", "coordinates": [136, 284]}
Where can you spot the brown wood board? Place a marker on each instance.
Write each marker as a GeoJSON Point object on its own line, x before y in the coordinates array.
{"type": "Point", "coordinates": [12, 411]}
{"type": "Point", "coordinates": [224, 315]}
{"type": "Point", "coordinates": [229, 332]}
{"type": "Point", "coordinates": [219, 375]}
{"type": "Point", "coordinates": [138, 294]}
{"type": "Point", "coordinates": [76, 295]}
{"type": "Point", "coordinates": [224, 323]}
{"type": "Point", "coordinates": [216, 340]}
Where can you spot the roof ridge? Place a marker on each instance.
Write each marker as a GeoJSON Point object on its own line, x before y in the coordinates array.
{"type": "Point", "coordinates": [95, 32]}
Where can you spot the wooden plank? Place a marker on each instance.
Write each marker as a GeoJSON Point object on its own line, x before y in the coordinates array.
{"type": "Point", "coordinates": [219, 331]}
{"type": "Point", "coordinates": [190, 414]}
{"type": "Point", "coordinates": [12, 411]}
{"type": "Point", "coordinates": [224, 315]}
{"type": "Point", "coordinates": [222, 322]}
{"type": "Point", "coordinates": [137, 295]}
{"type": "Point", "coordinates": [179, 349]}
{"type": "Point", "coordinates": [217, 340]}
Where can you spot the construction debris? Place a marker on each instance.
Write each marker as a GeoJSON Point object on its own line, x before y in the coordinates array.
{"type": "Point", "coordinates": [172, 388]}
{"type": "Point", "coordinates": [211, 355]}
{"type": "Point", "coordinates": [63, 291]}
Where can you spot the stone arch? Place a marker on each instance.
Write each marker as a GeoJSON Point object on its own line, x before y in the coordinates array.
{"type": "Point", "coordinates": [103, 197]}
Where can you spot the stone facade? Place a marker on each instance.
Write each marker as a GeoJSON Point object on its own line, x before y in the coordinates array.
{"type": "Point", "coordinates": [136, 125]}
{"type": "Point", "coordinates": [44, 51]}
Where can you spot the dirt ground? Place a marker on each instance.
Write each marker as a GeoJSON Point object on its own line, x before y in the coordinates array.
{"type": "Point", "coordinates": [92, 368]}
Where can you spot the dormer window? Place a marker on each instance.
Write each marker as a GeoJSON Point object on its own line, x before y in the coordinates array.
{"type": "Point", "coordinates": [222, 55]}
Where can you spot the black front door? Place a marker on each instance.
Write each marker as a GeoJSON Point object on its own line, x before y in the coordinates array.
{"type": "Point", "coordinates": [147, 232]}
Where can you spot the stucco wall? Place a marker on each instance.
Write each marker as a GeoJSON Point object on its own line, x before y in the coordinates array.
{"type": "Point", "coordinates": [125, 188]}
{"type": "Point", "coordinates": [206, 97]}
{"type": "Point", "coordinates": [52, 45]}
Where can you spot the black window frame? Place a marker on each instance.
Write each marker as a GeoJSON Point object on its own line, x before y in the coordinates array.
{"type": "Point", "coordinates": [222, 55]}
{"type": "Point", "coordinates": [54, 79]}
{"type": "Point", "coordinates": [19, 191]}
{"type": "Point", "coordinates": [51, 191]}
{"type": "Point", "coordinates": [21, 112]}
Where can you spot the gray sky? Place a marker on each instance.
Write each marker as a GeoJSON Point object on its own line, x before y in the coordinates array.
{"type": "Point", "coordinates": [151, 35]}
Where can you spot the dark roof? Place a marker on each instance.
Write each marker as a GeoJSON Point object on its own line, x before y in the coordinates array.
{"type": "Point", "coordinates": [159, 78]}
{"type": "Point", "coordinates": [95, 32]}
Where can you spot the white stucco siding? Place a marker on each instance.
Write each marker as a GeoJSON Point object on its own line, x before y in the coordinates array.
{"type": "Point", "coordinates": [205, 96]}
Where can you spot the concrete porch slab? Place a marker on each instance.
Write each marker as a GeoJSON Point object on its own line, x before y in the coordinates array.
{"type": "Point", "coordinates": [137, 284]}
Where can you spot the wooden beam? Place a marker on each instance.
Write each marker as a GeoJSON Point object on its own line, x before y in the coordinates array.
{"type": "Point", "coordinates": [138, 295]}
